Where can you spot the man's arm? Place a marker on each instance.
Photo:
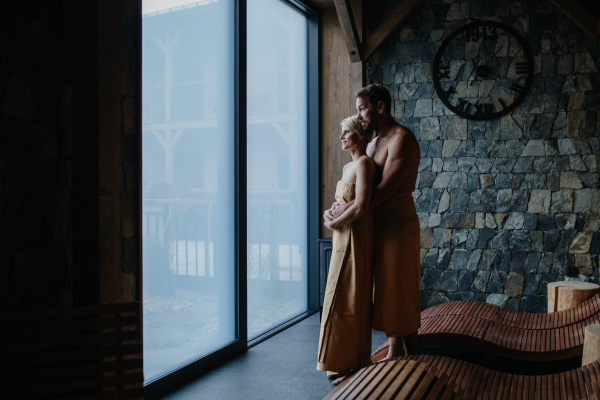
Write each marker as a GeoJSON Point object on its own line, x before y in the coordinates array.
{"type": "Point", "coordinates": [396, 169]}
{"type": "Point", "coordinates": [364, 188]}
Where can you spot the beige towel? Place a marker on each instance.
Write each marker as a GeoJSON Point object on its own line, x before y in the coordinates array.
{"type": "Point", "coordinates": [345, 340]}
{"type": "Point", "coordinates": [396, 301]}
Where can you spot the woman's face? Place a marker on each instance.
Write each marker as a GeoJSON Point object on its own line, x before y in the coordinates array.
{"type": "Point", "coordinates": [349, 139]}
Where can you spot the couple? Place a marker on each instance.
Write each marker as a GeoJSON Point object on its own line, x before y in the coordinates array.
{"type": "Point", "coordinates": [374, 272]}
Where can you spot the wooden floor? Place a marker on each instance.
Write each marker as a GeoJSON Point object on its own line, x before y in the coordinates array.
{"type": "Point", "coordinates": [437, 377]}
{"type": "Point", "coordinates": [514, 334]}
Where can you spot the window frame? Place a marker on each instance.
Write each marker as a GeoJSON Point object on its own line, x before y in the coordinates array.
{"type": "Point", "coordinates": [170, 381]}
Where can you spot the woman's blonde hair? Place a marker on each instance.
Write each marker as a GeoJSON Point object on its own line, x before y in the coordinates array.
{"type": "Point", "coordinates": [351, 123]}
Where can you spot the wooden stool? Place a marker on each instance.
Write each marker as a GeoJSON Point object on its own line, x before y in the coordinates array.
{"type": "Point", "coordinates": [567, 294]}
{"type": "Point", "coordinates": [591, 344]}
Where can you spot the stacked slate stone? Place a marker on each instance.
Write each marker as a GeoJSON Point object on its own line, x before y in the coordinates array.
{"type": "Point", "coordinates": [505, 205]}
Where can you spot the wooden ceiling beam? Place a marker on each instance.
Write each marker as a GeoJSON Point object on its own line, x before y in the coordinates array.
{"type": "Point", "coordinates": [580, 16]}
{"type": "Point", "coordinates": [387, 27]}
{"type": "Point", "coordinates": [348, 24]}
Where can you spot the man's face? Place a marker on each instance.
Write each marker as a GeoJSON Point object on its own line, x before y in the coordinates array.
{"type": "Point", "coordinates": [367, 114]}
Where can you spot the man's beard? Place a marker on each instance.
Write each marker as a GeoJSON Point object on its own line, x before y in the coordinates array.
{"type": "Point", "coordinates": [367, 127]}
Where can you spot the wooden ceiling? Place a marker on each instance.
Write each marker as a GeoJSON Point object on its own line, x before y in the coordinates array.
{"type": "Point", "coordinates": [584, 13]}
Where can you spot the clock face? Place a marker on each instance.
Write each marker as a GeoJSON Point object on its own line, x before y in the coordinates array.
{"type": "Point", "coordinates": [483, 70]}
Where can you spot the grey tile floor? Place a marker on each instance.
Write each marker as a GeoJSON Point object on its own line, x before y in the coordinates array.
{"type": "Point", "coordinates": [280, 368]}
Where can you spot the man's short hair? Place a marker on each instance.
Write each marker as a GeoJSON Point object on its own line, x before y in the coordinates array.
{"type": "Point", "coordinates": [376, 93]}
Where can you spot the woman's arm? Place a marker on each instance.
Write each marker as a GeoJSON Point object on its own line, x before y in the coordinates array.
{"type": "Point", "coordinates": [365, 173]}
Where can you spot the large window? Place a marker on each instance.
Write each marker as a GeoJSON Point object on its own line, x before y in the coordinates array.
{"type": "Point", "coordinates": [226, 177]}
{"type": "Point", "coordinates": [277, 164]}
{"type": "Point", "coordinates": [188, 179]}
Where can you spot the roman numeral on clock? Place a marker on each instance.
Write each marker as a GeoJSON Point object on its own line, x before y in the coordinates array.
{"type": "Point", "coordinates": [450, 91]}
{"type": "Point", "coordinates": [515, 87]}
{"type": "Point", "coordinates": [521, 68]}
{"type": "Point", "coordinates": [463, 105]}
{"type": "Point", "coordinates": [483, 109]}
{"type": "Point", "coordinates": [444, 72]}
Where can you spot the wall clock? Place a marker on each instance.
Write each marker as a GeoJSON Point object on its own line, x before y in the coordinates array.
{"type": "Point", "coordinates": [483, 70]}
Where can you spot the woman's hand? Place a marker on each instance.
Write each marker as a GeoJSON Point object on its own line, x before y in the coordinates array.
{"type": "Point", "coordinates": [328, 214]}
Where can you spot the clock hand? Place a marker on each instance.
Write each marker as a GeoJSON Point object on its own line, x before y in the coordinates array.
{"type": "Point", "coordinates": [488, 63]}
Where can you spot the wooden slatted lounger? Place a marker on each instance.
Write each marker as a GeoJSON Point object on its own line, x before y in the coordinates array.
{"type": "Point", "coordinates": [514, 334]}
{"type": "Point", "coordinates": [406, 378]}
{"type": "Point", "coordinates": [510, 317]}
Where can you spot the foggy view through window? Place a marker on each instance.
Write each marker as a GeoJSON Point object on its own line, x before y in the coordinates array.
{"type": "Point", "coordinates": [188, 181]}
{"type": "Point", "coordinates": [277, 170]}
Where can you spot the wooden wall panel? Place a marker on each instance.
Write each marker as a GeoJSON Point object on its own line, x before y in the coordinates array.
{"type": "Point", "coordinates": [340, 78]}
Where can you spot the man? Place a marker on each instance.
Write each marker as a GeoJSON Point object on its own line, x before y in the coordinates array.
{"type": "Point", "coordinates": [396, 308]}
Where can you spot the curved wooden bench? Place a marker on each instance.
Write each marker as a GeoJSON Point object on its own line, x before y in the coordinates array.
{"type": "Point", "coordinates": [468, 381]}
{"type": "Point", "coordinates": [514, 334]}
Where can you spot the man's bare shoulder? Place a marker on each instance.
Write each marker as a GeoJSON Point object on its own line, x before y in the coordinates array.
{"type": "Point", "coordinates": [403, 137]}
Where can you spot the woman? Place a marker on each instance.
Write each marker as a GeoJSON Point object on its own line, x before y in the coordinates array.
{"type": "Point", "coordinates": [345, 340]}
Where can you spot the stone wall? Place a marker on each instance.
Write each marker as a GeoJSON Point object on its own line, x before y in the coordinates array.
{"type": "Point", "coordinates": [506, 205]}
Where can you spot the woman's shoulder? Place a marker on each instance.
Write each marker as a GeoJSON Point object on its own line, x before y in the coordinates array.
{"type": "Point", "coordinates": [365, 162]}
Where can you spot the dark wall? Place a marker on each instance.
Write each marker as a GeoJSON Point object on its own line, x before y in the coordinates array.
{"type": "Point", "coordinates": [505, 205]}
{"type": "Point", "coordinates": [50, 141]}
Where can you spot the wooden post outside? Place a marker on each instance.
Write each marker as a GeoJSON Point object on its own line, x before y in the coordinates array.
{"type": "Point", "coordinates": [567, 294]}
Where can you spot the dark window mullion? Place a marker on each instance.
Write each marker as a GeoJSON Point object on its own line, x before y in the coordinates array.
{"type": "Point", "coordinates": [241, 176]}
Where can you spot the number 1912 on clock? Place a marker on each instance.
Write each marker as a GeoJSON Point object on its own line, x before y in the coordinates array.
{"type": "Point", "coordinates": [475, 33]}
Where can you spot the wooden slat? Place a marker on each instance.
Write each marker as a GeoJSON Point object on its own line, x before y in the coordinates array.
{"type": "Point", "coordinates": [40, 391]}
{"type": "Point", "coordinates": [396, 368]}
{"type": "Point", "coordinates": [42, 344]}
{"type": "Point", "coordinates": [484, 381]}
{"type": "Point", "coordinates": [545, 390]}
{"type": "Point", "coordinates": [62, 325]}
{"type": "Point", "coordinates": [464, 375]}
{"type": "Point", "coordinates": [578, 374]}
{"type": "Point", "coordinates": [595, 377]}
{"type": "Point", "coordinates": [89, 311]}
{"type": "Point", "coordinates": [526, 384]}
{"type": "Point", "coordinates": [475, 381]}
{"type": "Point", "coordinates": [425, 384]}
{"type": "Point", "coordinates": [397, 383]}
{"type": "Point", "coordinates": [568, 384]}
{"type": "Point", "coordinates": [438, 388]}
{"type": "Point", "coordinates": [71, 371]}
{"type": "Point", "coordinates": [360, 385]}
{"type": "Point", "coordinates": [579, 15]}
{"type": "Point", "coordinates": [587, 379]}
{"type": "Point", "coordinates": [492, 385]}
{"type": "Point", "coordinates": [449, 392]}
{"type": "Point", "coordinates": [350, 384]}
{"type": "Point", "coordinates": [411, 382]}
{"type": "Point", "coordinates": [379, 373]}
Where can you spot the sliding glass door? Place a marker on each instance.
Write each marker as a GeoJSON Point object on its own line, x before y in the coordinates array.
{"type": "Point", "coordinates": [277, 164]}
{"type": "Point", "coordinates": [188, 206]}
